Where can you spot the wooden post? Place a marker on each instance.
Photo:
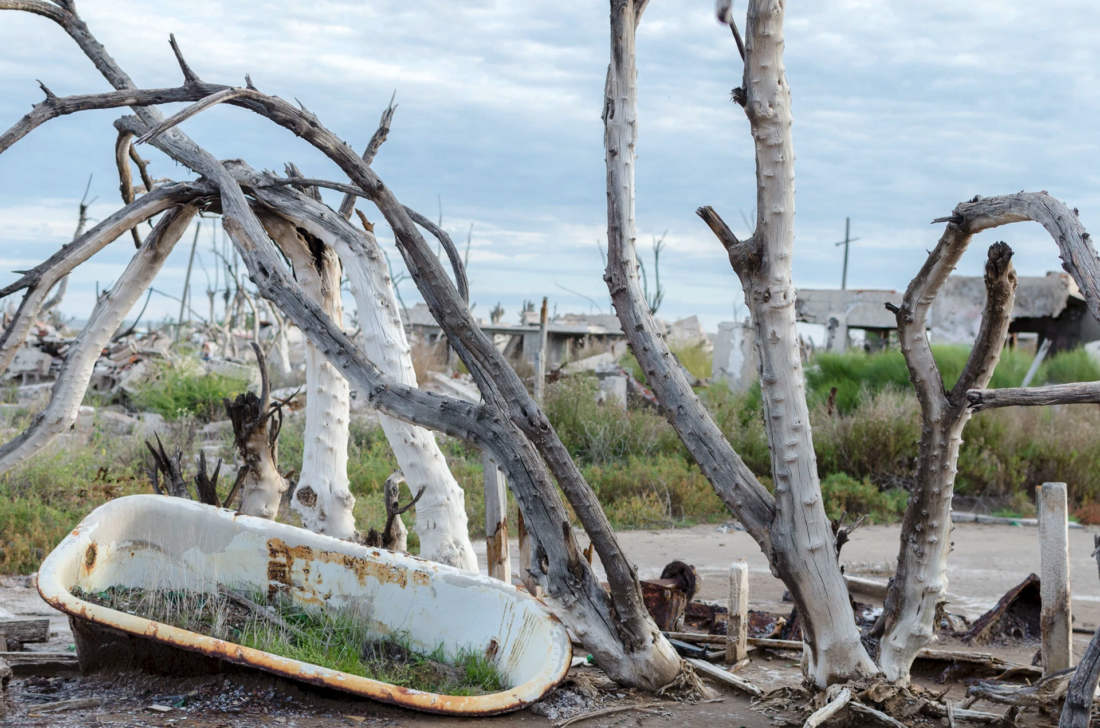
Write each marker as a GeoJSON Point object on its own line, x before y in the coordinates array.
{"type": "Point", "coordinates": [737, 629]}
{"type": "Point", "coordinates": [540, 358]}
{"type": "Point", "coordinates": [1055, 618]}
{"type": "Point", "coordinates": [496, 521]}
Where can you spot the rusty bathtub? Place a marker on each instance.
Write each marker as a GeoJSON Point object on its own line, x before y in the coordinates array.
{"type": "Point", "coordinates": [159, 542]}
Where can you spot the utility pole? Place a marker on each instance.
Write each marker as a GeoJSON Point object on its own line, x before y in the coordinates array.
{"type": "Point", "coordinates": [848, 239]}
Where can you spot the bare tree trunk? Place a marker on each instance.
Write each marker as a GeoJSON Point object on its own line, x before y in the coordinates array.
{"type": "Point", "coordinates": [322, 498]}
{"type": "Point", "coordinates": [921, 580]}
{"type": "Point", "coordinates": [919, 586]}
{"type": "Point", "coordinates": [108, 314]}
{"type": "Point", "coordinates": [441, 521]}
{"type": "Point", "coordinates": [796, 536]}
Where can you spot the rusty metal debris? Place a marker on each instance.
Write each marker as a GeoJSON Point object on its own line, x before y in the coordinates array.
{"type": "Point", "coordinates": [1015, 616]}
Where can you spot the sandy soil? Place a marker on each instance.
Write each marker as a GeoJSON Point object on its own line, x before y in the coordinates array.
{"type": "Point", "coordinates": [986, 561]}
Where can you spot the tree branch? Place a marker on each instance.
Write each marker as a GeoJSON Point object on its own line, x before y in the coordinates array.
{"type": "Point", "coordinates": [1000, 291]}
{"type": "Point", "coordinates": [1062, 223]}
{"type": "Point", "coordinates": [40, 279]}
{"type": "Point", "coordinates": [744, 255]}
{"type": "Point", "coordinates": [375, 143]}
{"type": "Point", "coordinates": [1074, 393]}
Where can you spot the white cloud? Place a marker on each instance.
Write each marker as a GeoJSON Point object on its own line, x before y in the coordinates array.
{"type": "Point", "coordinates": [901, 110]}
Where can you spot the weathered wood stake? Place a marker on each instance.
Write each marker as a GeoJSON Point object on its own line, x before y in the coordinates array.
{"type": "Point", "coordinates": [737, 629]}
{"type": "Point", "coordinates": [1055, 618]}
{"type": "Point", "coordinates": [540, 357]}
{"type": "Point", "coordinates": [496, 521]}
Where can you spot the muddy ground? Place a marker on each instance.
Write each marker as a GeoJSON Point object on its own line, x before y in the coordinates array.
{"type": "Point", "coordinates": [985, 562]}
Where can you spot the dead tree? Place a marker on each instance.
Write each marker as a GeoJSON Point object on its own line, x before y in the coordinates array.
{"type": "Point", "coordinates": [791, 527]}
{"type": "Point", "coordinates": [322, 498]}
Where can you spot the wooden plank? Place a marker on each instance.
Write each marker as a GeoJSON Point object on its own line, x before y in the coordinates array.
{"type": "Point", "coordinates": [737, 628]}
{"type": "Point", "coordinates": [1055, 619]}
{"type": "Point", "coordinates": [496, 521]}
{"type": "Point", "coordinates": [717, 673]}
{"type": "Point", "coordinates": [866, 587]}
{"type": "Point", "coordinates": [40, 663]}
{"type": "Point", "coordinates": [25, 629]}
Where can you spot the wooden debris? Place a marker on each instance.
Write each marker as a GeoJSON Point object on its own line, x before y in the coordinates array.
{"type": "Point", "coordinates": [979, 659]}
{"type": "Point", "coordinates": [866, 587]}
{"type": "Point", "coordinates": [17, 631]}
{"type": "Point", "coordinates": [606, 711]}
{"type": "Point", "coordinates": [685, 649]}
{"type": "Point", "coordinates": [1046, 694]}
{"type": "Point", "coordinates": [60, 706]}
{"type": "Point", "coordinates": [834, 706]}
{"type": "Point", "coordinates": [697, 637]}
{"type": "Point", "coordinates": [738, 624]}
{"type": "Point", "coordinates": [39, 663]}
{"type": "Point", "coordinates": [496, 521]}
{"type": "Point", "coordinates": [878, 715]}
{"type": "Point", "coordinates": [708, 670]}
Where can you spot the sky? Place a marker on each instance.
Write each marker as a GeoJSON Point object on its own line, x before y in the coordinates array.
{"type": "Point", "coordinates": [901, 110]}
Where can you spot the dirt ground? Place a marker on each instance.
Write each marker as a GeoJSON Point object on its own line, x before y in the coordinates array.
{"type": "Point", "coordinates": [985, 562]}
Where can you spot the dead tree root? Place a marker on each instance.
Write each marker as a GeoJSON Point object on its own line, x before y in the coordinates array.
{"type": "Point", "coordinates": [687, 686]}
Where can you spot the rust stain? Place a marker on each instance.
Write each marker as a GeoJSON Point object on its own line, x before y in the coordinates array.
{"type": "Point", "coordinates": [89, 556]}
{"type": "Point", "coordinates": [485, 705]}
{"type": "Point", "coordinates": [281, 558]}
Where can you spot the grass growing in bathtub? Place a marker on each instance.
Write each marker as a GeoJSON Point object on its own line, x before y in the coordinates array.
{"type": "Point", "coordinates": [334, 640]}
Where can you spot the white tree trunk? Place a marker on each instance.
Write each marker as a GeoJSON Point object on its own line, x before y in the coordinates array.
{"type": "Point", "coordinates": [322, 499]}
{"type": "Point", "coordinates": [106, 317]}
{"type": "Point", "coordinates": [803, 547]}
{"type": "Point", "coordinates": [441, 523]}
{"type": "Point", "coordinates": [441, 512]}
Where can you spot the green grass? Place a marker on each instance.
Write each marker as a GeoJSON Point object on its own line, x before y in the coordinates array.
{"type": "Point", "coordinates": [43, 498]}
{"type": "Point", "coordinates": [333, 639]}
{"type": "Point", "coordinates": [176, 392]}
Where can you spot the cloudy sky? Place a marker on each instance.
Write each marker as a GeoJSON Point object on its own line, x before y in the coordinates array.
{"type": "Point", "coordinates": [902, 109]}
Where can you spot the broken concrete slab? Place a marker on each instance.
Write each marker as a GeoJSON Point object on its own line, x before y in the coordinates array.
{"type": "Point", "coordinates": [734, 355]}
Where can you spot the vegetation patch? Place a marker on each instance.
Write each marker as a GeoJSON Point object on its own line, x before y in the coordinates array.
{"type": "Point", "coordinates": [865, 443]}
{"type": "Point", "coordinates": [335, 640]}
{"type": "Point", "coordinates": [176, 392]}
